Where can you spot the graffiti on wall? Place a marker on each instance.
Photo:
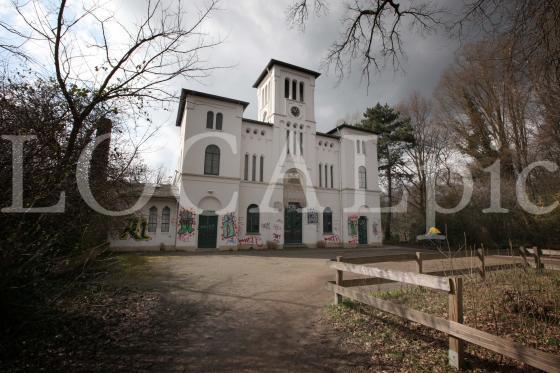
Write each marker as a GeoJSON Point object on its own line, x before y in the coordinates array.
{"type": "Point", "coordinates": [186, 224]}
{"type": "Point", "coordinates": [251, 240]}
{"type": "Point", "coordinates": [265, 226]}
{"type": "Point", "coordinates": [136, 228]}
{"type": "Point", "coordinates": [353, 225]}
{"type": "Point", "coordinates": [353, 229]}
{"type": "Point", "coordinates": [312, 216]}
{"type": "Point", "coordinates": [331, 238]}
{"type": "Point", "coordinates": [229, 228]}
{"type": "Point", "coordinates": [277, 229]}
{"type": "Point", "coordinates": [374, 229]}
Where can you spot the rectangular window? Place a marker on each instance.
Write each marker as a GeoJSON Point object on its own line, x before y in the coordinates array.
{"type": "Point", "coordinates": [326, 176]}
{"type": "Point", "coordinates": [254, 168]}
{"type": "Point", "coordinates": [332, 177]}
{"type": "Point", "coordinates": [327, 221]}
{"type": "Point", "coordinates": [301, 143]}
{"type": "Point", "coordinates": [261, 170]}
{"type": "Point", "coordinates": [295, 143]}
{"type": "Point", "coordinates": [152, 220]}
{"type": "Point", "coordinates": [320, 175]}
{"type": "Point", "coordinates": [364, 147]}
{"type": "Point", "coordinates": [246, 175]}
{"type": "Point", "coordinates": [358, 146]}
{"type": "Point", "coordinates": [288, 141]}
{"type": "Point", "coordinates": [165, 215]}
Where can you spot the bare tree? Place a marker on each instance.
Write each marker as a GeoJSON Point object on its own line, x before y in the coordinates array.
{"type": "Point", "coordinates": [116, 78]}
{"type": "Point", "coordinates": [371, 31]}
{"type": "Point", "coordinates": [488, 104]}
{"type": "Point", "coordinates": [430, 155]}
{"type": "Point", "coordinates": [531, 26]}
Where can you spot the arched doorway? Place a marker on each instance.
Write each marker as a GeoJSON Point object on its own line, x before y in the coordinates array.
{"type": "Point", "coordinates": [294, 201]}
{"type": "Point", "coordinates": [207, 230]}
{"type": "Point", "coordinates": [362, 230]}
{"type": "Point", "coordinates": [208, 223]}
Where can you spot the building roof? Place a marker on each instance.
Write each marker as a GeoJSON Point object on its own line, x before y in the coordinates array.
{"type": "Point", "coordinates": [344, 125]}
{"type": "Point", "coordinates": [273, 62]}
{"type": "Point", "coordinates": [252, 121]}
{"type": "Point", "coordinates": [186, 92]}
{"type": "Point", "coordinates": [327, 135]}
{"type": "Point", "coordinates": [160, 190]}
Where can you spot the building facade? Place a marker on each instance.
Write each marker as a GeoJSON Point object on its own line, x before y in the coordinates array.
{"type": "Point", "coordinates": [268, 183]}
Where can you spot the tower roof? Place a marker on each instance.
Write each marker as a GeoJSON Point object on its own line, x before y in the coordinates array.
{"type": "Point", "coordinates": [273, 62]}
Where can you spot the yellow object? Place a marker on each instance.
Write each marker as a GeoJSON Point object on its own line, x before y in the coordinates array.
{"type": "Point", "coordinates": [433, 231]}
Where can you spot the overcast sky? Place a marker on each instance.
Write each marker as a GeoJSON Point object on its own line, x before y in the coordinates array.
{"type": "Point", "coordinates": [256, 31]}
{"type": "Point", "coordinates": [253, 32]}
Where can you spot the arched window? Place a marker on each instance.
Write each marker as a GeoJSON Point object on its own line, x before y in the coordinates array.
{"type": "Point", "coordinates": [253, 219]}
{"type": "Point", "coordinates": [246, 170]}
{"type": "Point", "coordinates": [287, 88]}
{"type": "Point", "coordinates": [301, 91]}
{"type": "Point", "coordinates": [358, 146]}
{"type": "Point", "coordinates": [165, 216]}
{"type": "Point", "coordinates": [332, 177]}
{"type": "Point", "coordinates": [364, 147]}
{"type": "Point", "coordinates": [254, 168]}
{"type": "Point", "coordinates": [327, 220]}
{"type": "Point", "coordinates": [219, 120]}
{"type": "Point", "coordinates": [288, 141]}
{"type": "Point", "coordinates": [261, 170]}
{"type": "Point", "coordinates": [294, 89]}
{"type": "Point", "coordinates": [152, 219]}
{"type": "Point", "coordinates": [210, 120]}
{"type": "Point", "coordinates": [301, 143]}
{"type": "Point", "coordinates": [326, 176]}
{"type": "Point", "coordinates": [320, 175]}
{"type": "Point", "coordinates": [362, 177]}
{"type": "Point", "coordinates": [212, 160]}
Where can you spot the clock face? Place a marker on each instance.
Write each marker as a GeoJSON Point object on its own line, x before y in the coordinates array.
{"type": "Point", "coordinates": [295, 111]}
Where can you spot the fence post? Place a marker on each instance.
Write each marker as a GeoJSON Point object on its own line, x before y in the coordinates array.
{"type": "Point", "coordinates": [418, 262]}
{"type": "Point", "coordinates": [481, 258]}
{"type": "Point", "coordinates": [538, 263]}
{"type": "Point", "coordinates": [456, 346]}
{"type": "Point", "coordinates": [338, 279]}
{"type": "Point", "coordinates": [523, 256]}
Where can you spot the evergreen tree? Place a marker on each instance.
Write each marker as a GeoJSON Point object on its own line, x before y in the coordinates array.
{"type": "Point", "coordinates": [394, 137]}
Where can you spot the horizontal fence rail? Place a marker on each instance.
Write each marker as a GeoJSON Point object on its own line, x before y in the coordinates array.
{"type": "Point", "coordinates": [453, 327]}
{"type": "Point", "coordinates": [536, 358]}
{"type": "Point", "coordinates": [432, 282]}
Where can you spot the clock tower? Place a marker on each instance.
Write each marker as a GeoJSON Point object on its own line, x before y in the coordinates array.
{"type": "Point", "coordinates": [286, 92]}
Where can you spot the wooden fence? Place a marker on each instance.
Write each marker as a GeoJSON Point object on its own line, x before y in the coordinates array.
{"type": "Point", "coordinates": [453, 286]}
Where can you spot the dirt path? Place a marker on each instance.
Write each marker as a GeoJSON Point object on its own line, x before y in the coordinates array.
{"type": "Point", "coordinates": [255, 311]}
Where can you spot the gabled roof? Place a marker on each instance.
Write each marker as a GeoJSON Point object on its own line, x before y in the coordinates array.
{"type": "Point", "coordinates": [252, 121]}
{"type": "Point", "coordinates": [186, 92]}
{"type": "Point", "coordinates": [273, 62]}
{"type": "Point", "coordinates": [344, 125]}
{"type": "Point", "coordinates": [327, 135]}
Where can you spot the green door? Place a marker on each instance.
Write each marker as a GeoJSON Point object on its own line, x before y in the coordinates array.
{"type": "Point", "coordinates": [292, 223]}
{"type": "Point", "coordinates": [207, 230]}
{"type": "Point", "coordinates": [362, 230]}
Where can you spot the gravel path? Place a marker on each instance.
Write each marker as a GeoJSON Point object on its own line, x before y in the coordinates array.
{"type": "Point", "coordinates": [249, 311]}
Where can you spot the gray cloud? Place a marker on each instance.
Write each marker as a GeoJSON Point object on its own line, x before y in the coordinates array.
{"type": "Point", "coordinates": [254, 32]}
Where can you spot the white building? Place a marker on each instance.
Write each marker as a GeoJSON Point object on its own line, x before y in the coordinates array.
{"type": "Point", "coordinates": [272, 182]}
